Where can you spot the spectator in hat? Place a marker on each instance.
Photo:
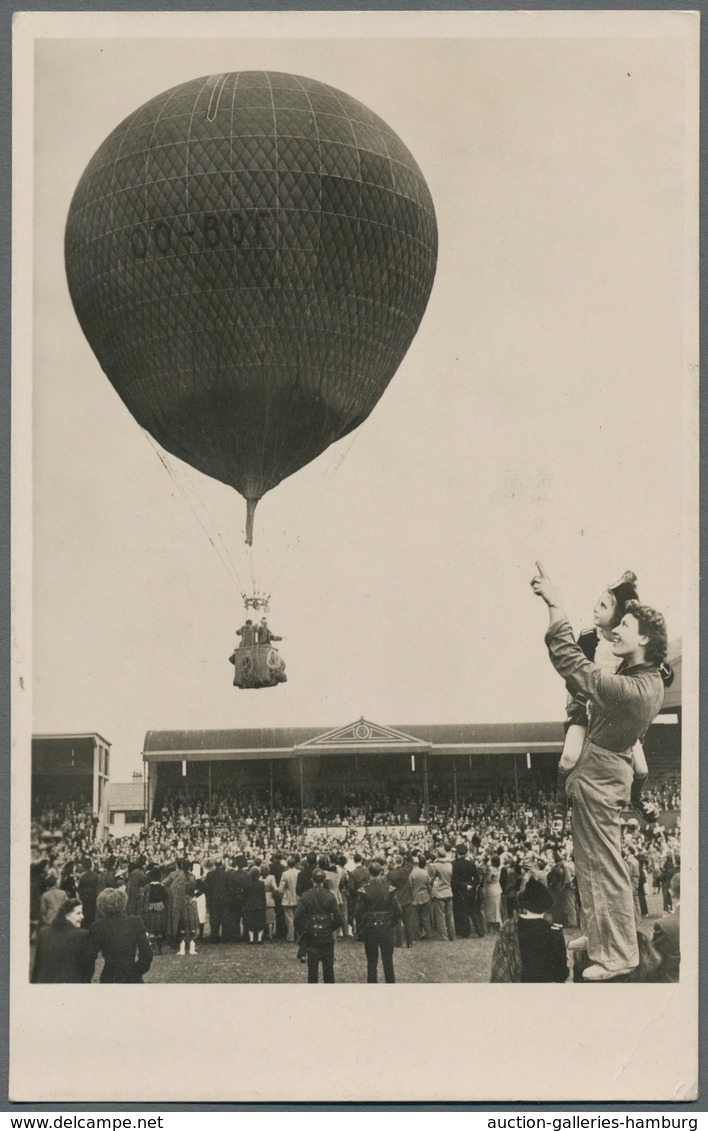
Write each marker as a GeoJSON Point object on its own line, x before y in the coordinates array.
{"type": "Point", "coordinates": [542, 946]}
{"type": "Point", "coordinates": [528, 948]}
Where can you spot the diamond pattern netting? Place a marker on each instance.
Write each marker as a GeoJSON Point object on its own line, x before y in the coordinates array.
{"type": "Point", "coordinates": [250, 256]}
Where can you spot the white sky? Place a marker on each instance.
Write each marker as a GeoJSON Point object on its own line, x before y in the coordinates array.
{"type": "Point", "coordinates": [539, 412]}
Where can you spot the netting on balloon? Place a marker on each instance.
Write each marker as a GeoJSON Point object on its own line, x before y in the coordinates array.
{"type": "Point", "coordinates": [250, 256]}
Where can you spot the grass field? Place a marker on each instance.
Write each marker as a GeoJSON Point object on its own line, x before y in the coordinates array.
{"type": "Point", "coordinates": [466, 960]}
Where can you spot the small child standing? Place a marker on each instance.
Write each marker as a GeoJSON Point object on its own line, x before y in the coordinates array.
{"type": "Point", "coordinates": [596, 645]}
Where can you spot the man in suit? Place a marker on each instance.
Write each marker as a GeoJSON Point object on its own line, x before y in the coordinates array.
{"type": "Point", "coordinates": [465, 881]}
{"type": "Point", "coordinates": [236, 883]}
{"type": "Point", "coordinates": [317, 917]}
{"type": "Point", "coordinates": [218, 901]}
{"type": "Point", "coordinates": [420, 888]}
{"type": "Point", "coordinates": [304, 878]}
{"type": "Point", "coordinates": [288, 889]}
{"type": "Point", "coordinates": [378, 912]}
{"type": "Point", "coordinates": [399, 879]}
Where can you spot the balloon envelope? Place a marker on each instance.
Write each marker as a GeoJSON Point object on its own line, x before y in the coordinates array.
{"type": "Point", "coordinates": [250, 256]}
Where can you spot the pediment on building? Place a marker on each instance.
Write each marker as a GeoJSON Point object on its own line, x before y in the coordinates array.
{"type": "Point", "coordinates": [364, 735]}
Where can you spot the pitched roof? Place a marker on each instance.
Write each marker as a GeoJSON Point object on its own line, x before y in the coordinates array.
{"type": "Point", "coordinates": [125, 795]}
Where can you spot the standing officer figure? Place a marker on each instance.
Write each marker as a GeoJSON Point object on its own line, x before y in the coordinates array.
{"type": "Point", "coordinates": [378, 913]}
{"type": "Point", "coordinates": [317, 917]}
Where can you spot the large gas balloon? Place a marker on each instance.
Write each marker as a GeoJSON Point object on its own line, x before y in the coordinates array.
{"type": "Point", "coordinates": [250, 256]}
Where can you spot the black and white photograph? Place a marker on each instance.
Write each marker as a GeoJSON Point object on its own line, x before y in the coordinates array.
{"type": "Point", "coordinates": [355, 554]}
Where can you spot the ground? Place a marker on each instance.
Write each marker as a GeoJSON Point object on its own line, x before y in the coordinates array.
{"type": "Point", "coordinates": [466, 960]}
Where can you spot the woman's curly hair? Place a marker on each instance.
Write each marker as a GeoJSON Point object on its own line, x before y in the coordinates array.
{"type": "Point", "coordinates": [653, 626]}
{"type": "Point", "coordinates": [111, 902]}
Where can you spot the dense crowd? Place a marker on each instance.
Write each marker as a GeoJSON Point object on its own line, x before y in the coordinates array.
{"type": "Point", "coordinates": [237, 872]}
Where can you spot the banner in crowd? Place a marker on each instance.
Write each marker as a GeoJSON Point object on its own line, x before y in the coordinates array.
{"type": "Point", "coordinates": [352, 833]}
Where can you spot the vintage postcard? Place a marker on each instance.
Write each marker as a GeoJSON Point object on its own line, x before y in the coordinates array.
{"type": "Point", "coordinates": [355, 557]}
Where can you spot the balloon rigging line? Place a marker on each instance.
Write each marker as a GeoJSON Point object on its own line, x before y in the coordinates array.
{"type": "Point", "coordinates": [228, 566]}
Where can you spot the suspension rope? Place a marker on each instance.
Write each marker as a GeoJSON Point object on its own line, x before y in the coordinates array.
{"type": "Point", "coordinates": [226, 562]}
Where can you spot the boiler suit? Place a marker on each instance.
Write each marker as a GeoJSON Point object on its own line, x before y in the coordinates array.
{"type": "Point", "coordinates": [621, 707]}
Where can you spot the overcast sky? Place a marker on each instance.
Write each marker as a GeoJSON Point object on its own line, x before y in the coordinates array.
{"type": "Point", "coordinates": [539, 412]}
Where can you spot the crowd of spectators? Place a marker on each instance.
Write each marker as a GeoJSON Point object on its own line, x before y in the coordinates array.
{"type": "Point", "coordinates": [508, 840]}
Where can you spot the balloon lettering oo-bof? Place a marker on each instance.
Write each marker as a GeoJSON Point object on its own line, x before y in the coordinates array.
{"type": "Point", "coordinates": [250, 256]}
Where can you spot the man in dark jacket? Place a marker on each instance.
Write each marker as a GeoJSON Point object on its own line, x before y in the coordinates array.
{"type": "Point", "coordinates": [465, 882]}
{"type": "Point", "coordinates": [236, 884]}
{"type": "Point", "coordinates": [217, 897]}
{"type": "Point", "coordinates": [304, 880]}
{"type": "Point", "coordinates": [87, 891]}
{"type": "Point", "coordinates": [400, 879]}
{"type": "Point", "coordinates": [378, 912]}
{"type": "Point", "coordinates": [317, 917]}
{"type": "Point", "coordinates": [137, 879]}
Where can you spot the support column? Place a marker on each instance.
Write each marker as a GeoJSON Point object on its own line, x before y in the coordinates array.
{"type": "Point", "coordinates": [302, 793]}
{"type": "Point", "coordinates": [454, 781]}
{"type": "Point", "coordinates": [146, 796]}
{"type": "Point", "coordinates": [95, 804]}
{"type": "Point", "coordinates": [426, 799]}
{"type": "Point", "coordinates": [271, 820]}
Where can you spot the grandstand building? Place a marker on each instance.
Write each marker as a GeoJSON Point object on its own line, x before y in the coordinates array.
{"type": "Point", "coordinates": [301, 767]}
{"type": "Point", "coordinates": [70, 768]}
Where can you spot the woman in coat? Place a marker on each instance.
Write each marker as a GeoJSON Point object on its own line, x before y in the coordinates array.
{"type": "Point", "coordinates": [120, 938]}
{"type": "Point", "coordinates": [492, 895]}
{"type": "Point", "coordinates": [63, 952]}
{"type": "Point", "coordinates": [271, 891]}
